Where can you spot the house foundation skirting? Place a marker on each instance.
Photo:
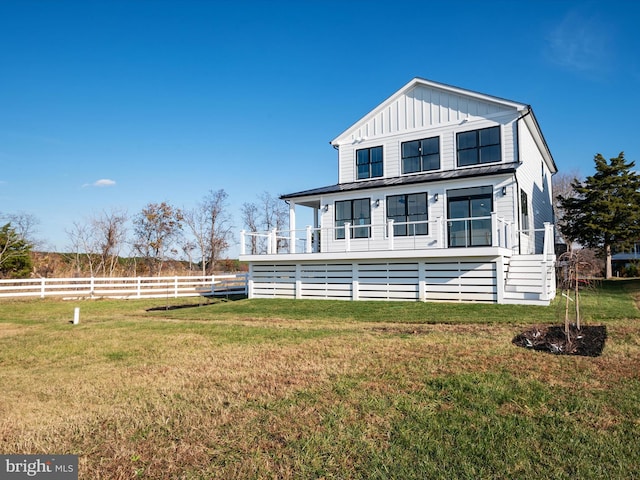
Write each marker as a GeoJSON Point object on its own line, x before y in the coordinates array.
{"type": "Point", "coordinates": [471, 279]}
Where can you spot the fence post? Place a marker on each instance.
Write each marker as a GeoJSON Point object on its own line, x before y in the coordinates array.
{"type": "Point", "coordinates": [175, 287]}
{"type": "Point", "coordinates": [242, 245]}
{"type": "Point", "coordinates": [139, 288]}
{"type": "Point", "coordinates": [92, 287]}
{"type": "Point", "coordinates": [42, 287]}
{"type": "Point", "coordinates": [390, 233]}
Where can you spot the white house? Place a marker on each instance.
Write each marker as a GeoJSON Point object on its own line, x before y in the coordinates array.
{"type": "Point", "coordinates": [443, 194]}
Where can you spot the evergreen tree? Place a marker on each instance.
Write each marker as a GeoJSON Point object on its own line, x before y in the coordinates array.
{"type": "Point", "coordinates": [15, 254]}
{"type": "Point", "coordinates": [604, 210]}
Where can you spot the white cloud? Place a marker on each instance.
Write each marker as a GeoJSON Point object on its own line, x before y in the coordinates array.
{"type": "Point", "coordinates": [579, 42]}
{"type": "Point", "coordinates": [103, 182]}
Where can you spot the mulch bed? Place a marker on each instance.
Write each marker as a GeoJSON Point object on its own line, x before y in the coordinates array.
{"type": "Point", "coordinates": [588, 341]}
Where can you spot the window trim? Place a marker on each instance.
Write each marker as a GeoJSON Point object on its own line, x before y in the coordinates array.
{"type": "Point", "coordinates": [477, 146]}
{"type": "Point", "coordinates": [369, 163]}
{"type": "Point", "coordinates": [340, 230]}
{"type": "Point", "coordinates": [421, 169]}
{"type": "Point", "coordinates": [407, 216]}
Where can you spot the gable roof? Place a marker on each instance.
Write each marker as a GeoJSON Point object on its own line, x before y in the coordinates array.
{"type": "Point", "coordinates": [423, 103]}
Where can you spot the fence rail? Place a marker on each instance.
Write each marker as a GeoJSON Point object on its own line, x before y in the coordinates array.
{"type": "Point", "coordinates": [127, 287]}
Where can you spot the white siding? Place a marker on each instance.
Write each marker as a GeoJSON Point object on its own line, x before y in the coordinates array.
{"type": "Point", "coordinates": [535, 179]}
{"type": "Point", "coordinates": [447, 134]}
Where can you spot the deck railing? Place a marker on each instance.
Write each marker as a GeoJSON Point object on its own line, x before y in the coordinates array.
{"type": "Point", "coordinates": [127, 287]}
{"type": "Point", "coordinates": [473, 231]}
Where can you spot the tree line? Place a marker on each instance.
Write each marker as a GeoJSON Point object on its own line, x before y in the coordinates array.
{"type": "Point", "coordinates": [158, 233]}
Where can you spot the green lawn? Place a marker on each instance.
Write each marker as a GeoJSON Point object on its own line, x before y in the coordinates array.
{"type": "Point", "coordinates": [319, 389]}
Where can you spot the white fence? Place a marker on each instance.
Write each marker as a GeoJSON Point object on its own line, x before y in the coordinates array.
{"type": "Point", "coordinates": [127, 287]}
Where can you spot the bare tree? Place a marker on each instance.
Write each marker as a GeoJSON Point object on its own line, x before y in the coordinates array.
{"type": "Point", "coordinates": [110, 233]}
{"type": "Point", "coordinates": [25, 226]}
{"type": "Point", "coordinates": [82, 245]}
{"type": "Point", "coordinates": [99, 240]}
{"type": "Point", "coordinates": [250, 220]}
{"type": "Point", "coordinates": [274, 213]}
{"type": "Point", "coordinates": [156, 228]}
{"type": "Point", "coordinates": [210, 225]}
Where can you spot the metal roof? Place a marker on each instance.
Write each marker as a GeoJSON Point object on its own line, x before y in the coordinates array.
{"type": "Point", "coordinates": [483, 171]}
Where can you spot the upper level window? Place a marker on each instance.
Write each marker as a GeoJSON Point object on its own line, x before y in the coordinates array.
{"type": "Point", "coordinates": [353, 212]}
{"type": "Point", "coordinates": [421, 155]}
{"type": "Point", "coordinates": [479, 146]}
{"type": "Point", "coordinates": [405, 210]}
{"type": "Point", "coordinates": [369, 162]}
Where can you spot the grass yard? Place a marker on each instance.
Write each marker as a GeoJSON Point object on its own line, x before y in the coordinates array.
{"type": "Point", "coordinates": [319, 389]}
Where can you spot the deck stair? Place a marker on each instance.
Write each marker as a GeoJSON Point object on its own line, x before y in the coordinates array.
{"type": "Point", "coordinates": [524, 280]}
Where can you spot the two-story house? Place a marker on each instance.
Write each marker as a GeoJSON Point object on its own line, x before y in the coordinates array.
{"type": "Point", "coordinates": [443, 194]}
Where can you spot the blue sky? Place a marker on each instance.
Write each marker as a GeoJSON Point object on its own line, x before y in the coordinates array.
{"type": "Point", "coordinates": [115, 104]}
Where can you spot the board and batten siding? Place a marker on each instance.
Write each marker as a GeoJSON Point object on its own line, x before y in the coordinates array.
{"type": "Point", "coordinates": [392, 151]}
{"type": "Point", "coordinates": [417, 280]}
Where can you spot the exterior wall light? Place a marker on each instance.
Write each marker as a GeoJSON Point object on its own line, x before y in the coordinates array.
{"type": "Point", "coordinates": [504, 191]}
{"type": "Point", "coordinates": [435, 197]}
{"type": "Point", "coordinates": [377, 203]}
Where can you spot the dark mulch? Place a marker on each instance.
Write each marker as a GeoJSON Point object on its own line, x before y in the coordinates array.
{"type": "Point", "coordinates": [588, 341]}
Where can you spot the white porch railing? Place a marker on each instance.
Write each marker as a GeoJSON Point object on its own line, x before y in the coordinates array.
{"type": "Point", "coordinates": [493, 231]}
{"type": "Point", "coordinates": [126, 287]}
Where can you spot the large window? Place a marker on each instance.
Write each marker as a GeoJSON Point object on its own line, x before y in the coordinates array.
{"type": "Point", "coordinates": [469, 216]}
{"type": "Point", "coordinates": [354, 212]}
{"type": "Point", "coordinates": [421, 155]}
{"type": "Point", "coordinates": [479, 146]}
{"type": "Point", "coordinates": [404, 209]}
{"type": "Point", "coordinates": [369, 162]}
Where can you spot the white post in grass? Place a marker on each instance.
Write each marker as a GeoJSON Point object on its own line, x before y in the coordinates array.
{"type": "Point", "coordinates": [76, 315]}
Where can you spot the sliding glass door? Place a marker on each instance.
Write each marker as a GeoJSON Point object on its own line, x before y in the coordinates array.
{"type": "Point", "coordinates": [469, 217]}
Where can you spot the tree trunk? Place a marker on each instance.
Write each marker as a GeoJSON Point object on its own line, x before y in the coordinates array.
{"type": "Point", "coordinates": [608, 269]}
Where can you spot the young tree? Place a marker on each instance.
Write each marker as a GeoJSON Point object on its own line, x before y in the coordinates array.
{"type": "Point", "coordinates": [15, 253]}
{"type": "Point", "coordinates": [604, 211]}
{"type": "Point", "coordinates": [156, 228]}
{"type": "Point", "coordinates": [210, 225]}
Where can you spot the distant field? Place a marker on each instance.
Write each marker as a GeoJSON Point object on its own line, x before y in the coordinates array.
{"type": "Point", "coordinates": [319, 389]}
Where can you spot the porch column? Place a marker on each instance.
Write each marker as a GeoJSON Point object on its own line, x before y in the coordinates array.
{"type": "Point", "coordinates": [292, 227]}
{"type": "Point", "coordinates": [316, 228]}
